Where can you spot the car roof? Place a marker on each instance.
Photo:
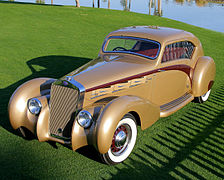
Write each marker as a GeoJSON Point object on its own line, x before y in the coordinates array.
{"type": "Point", "coordinates": [160, 34]}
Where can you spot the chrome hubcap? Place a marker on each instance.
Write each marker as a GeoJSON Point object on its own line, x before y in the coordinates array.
{"type": "Point", "coordinates": [120, 139]}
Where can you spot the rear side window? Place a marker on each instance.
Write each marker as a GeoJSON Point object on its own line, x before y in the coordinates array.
{"type": "Point", "coordinates": [178, 50]}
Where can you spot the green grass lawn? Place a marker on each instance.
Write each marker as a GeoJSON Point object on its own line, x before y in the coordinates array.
{"type": "Point", "coordinates": [50, 41]}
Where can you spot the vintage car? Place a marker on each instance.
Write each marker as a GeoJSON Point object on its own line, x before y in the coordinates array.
{"type": "Point", "coordinates": [142, 73]}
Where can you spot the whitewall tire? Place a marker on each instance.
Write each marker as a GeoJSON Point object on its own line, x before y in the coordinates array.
{"type": "Point", "coordinates": [203, 98]}
{"type": "Point", "coordinates": [123, 141]}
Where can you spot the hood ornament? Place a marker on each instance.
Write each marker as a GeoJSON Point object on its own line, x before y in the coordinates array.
{"type": "Point", "coordinates": [68, 78]}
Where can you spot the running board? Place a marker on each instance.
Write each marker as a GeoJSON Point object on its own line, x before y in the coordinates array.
{"type": "Point", "coordinates": [173, 106]}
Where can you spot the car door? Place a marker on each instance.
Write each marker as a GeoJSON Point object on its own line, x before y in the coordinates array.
{"type": "Point", "coordinates": [172, 79]}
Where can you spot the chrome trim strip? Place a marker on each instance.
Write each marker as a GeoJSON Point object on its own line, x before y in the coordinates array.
{"type": "Point", "coordinates": [60, 137]}
{"type": "Point", "coordinates": [175, 102]}
{"type": "Point", "coordinates": [97, 96]}
{"type": "Point", "coordinates": [75, 83]}
{"type": "Point", "coordinates": [81, 88]}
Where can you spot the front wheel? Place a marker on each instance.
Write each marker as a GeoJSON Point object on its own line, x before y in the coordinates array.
{"type": "Point", "coordinates": [25, 133]}
{"type": "Point", "coordinates": [203, 98]}
{"type": "Point", "coordinates": [123, 141]}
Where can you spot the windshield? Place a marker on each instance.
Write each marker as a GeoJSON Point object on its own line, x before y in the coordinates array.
{"type": "Point", "coordinates": [138, 46]}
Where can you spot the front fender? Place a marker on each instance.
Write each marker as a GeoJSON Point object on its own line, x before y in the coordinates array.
{"type": "Point", "coordinates": [81, 136]}
{"type": "Point", "coordinates": [19, 115]}
{"type": "Point", "coordinates": [113, 113]}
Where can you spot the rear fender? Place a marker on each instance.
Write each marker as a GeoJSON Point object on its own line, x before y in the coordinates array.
{"type": "Point", "coordinates": [204, 75]}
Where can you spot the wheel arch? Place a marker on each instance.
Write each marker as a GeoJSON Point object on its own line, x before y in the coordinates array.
{"type": "Point", "coordinates": [144, 111]}
{"type": "Point", "coordinates": [136, 116]}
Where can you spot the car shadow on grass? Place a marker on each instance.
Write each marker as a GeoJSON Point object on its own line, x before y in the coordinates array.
{"type": "Point", "coordinates": [46, 66]}
{"type": "Point", "coordinates": [191, 147]}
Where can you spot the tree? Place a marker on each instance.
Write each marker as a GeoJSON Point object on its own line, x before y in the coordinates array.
{"type": "Point", "coordinates": [129, 7]}
{"type": "Point", "coordinates": [159, 8]}
{"type": "Point", "coordinates": [93, 4]}
{"type": "Point", "coordinates": [124, 3]}
{"type": "Point", "coordinates": [154, 7]}
{"type": "Point", "coordinates": [98, 3]}
{"type": "Point", "coordinates": [77, 3]}
{"type": "Point", "coordinates": [40, 1]}
{"type": "Point", "coordinates": [150, 6]}
{"type": "Point", "coordinates": [108, 4]}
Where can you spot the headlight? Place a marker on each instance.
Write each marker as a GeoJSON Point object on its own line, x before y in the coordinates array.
{"type": "Point", "coordinates": [34, 106]}
{"type": "Point", "coordinates": [84, 119]}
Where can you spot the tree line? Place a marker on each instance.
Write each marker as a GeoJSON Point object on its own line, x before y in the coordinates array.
{"type": "Point", "coordinates": [156, 4]}
{"type": "Point", "coordinates": [124, 3]}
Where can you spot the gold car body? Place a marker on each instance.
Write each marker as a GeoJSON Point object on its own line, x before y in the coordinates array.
{"type": "Point", "coordinates": [113, 85]}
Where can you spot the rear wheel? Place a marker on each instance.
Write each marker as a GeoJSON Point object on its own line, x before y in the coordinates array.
{"type": "Point", "coordinates": [202, 98]}
{"type": "Point", "coordinates": [123, 141]}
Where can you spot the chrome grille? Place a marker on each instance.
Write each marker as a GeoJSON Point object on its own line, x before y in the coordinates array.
{"type": "Point", "coordinates": [63, 105]}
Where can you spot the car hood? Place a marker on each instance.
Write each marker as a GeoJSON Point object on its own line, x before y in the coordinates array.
{"type": "Point", "coordinates": [111, 68]}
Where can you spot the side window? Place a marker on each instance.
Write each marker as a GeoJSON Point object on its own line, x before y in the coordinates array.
{"type": "Point", "coordinates": [178, 50]}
